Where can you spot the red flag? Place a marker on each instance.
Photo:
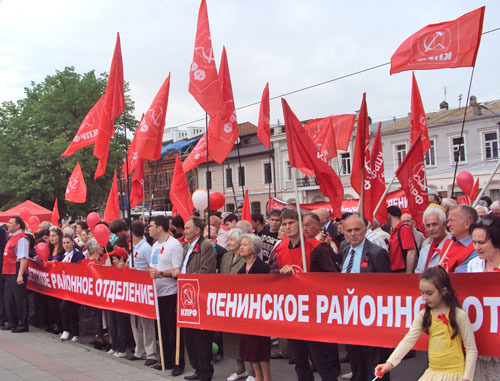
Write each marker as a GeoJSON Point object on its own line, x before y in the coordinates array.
{"type": "Point", "coordinates": [223, 128]}
{"type": "Point", "coordinates": [150, 131]}
{"type": "Point", "coordinates": [475, 191]}
{"type": "Point", "coordinates": [55, 214]}
{"type": "Point", "coordinates": [303, 155]}
{"type": "Point", "coordinates": [87, 133]}
{"type": "Point", "coordinates": [112, 210]}
{"type": "Point", "coordinates": [180, 195]}
{"type": "Point", "coordinates": [203, 79]}
{"type": "Point", "coordinates": [361, 161]}
{"type": "Point", "coordinates": [114, 105]}
{"type": "Point", "coordinates": [197, 156]}
{"type": "Point", "coordinates": [418, 120]}
{"type": "Point", "coordinates": [378, 178]}
{"type": "Point", "coordinates": [448, 44]}
{"type": "Point", "coordinates": [246, 214]}
{"type": "Point", "coordinates": [264, 127]}
{"type": "Point", "coordinates": [321, 133]}
{"type": "Point", "coordinates": [76, 190]}
{"type": "Point", "coordinates": [136, 189]}
{"type": "Point", "coordinates": [343, 126]}
{"type": "Point", "coordinates": [411, 176]}
{"type": "Point", "coordinates": [132, 155]}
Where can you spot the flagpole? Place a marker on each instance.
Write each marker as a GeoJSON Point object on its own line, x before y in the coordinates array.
{"type": "Point", "coordinates": [457, 158]}
{"type": "Point", "coordinates": [361, 201]}
{"type": "Point", "coordinates": [206, 179]}
{"type": "Point", "coordinates": [239, 170]}
{"type": "Point", "coordinates": [476, 201]}
{"type": "Point", "coordinates": [270, 157]}
{"type": "Point", "coordinates": [128, 192]}
{"type": "Point", "coordinates": [383, 196]}
{"type": "Point", "coordinates": [301, 234]}
{"type": "Point", "coordinates": [153, 191]}
{"type": "Point", "coordinates": [232, 187]}
{"type": "Point", "coordinates": [274, 169]}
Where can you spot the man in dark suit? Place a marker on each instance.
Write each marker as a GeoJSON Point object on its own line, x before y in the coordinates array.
{"type": "Point", "coordinates": [199, 258]}
{"type": "Point", "coordinates": [362, 256]}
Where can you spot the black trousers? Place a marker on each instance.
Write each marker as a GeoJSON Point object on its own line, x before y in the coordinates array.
{"type": "Point", "coordinates": [323, 355]}
{"type": "Point", "coordinates": [3, 316]}
{"type": "Point", "coordinates": [69, 317]}
{"type": "Point", "coordinates": [167, 306]}
{"type": "Point", "coordinates": [15, 301]}
{"type": "Point", "coordinates": [364, 359]}
{"type": "Point", "coordinates": [199, 348]}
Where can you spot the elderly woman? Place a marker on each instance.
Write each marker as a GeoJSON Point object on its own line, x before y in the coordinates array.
{"type": "Point", "coordinates": [486, 239]}
{"type": "Point", "coordinates": [255, 349]}
{"type": "Point", "coordinates": [94, 252]}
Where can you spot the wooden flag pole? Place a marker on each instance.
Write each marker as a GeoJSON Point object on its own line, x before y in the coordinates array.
{"type": "Point", "coordinates": [302, 247]}
{"type": "Point", "coordinates": [160, 341]}
{"type": "Point", "coordinates": [177, 345]}
{"type": "Point", "coordinates": [207, 173]}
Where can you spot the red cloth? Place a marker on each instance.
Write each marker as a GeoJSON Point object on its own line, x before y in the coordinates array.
{"type": "Point", "coordinates": [180, 195]}
{"type": "Point", "coordinates": [223, 128]}
{"type": "Point", "coordinates": [342, 126]}
{"type": "Point", "coordinates": [395, 249]}
{"type": "Point", "coordinates": [303, 155]}
{"type": "Point", "coordinates": [321, 133]}
{"type": "Point", "coordinates": [455, 255]}
{"type": "Point", "coordinates": [432, 249]}
{"type": "Point", "coordinates": [132, 155]}
{"type": "Point", "coordinates": [293, 257]}
{"type": "Point", "coordinates": [377, 178]}
{"type": "Point", "coordinates": [418, 120]}
{"type": "Point", "coordinates": [197, 156]}
{"type": "Point", "coordinates": [475, 191]}
{"type": "Point", "coordinates": [136, 189]}
{"type": "Point", "coordinates": [246, 214]}
{"type": "Point", "coordinates": [361, 161]}
{"type": "Point", "coordinates": [445, 45]}
{"type": "Point", "coordinates": [76, 190]}
{"type": "Point", "coordinates": [264, 127]}
{"type": "Point", "coordinates": [114, 105]}
{"type": "Point", "coordinates": [411, 176]}
{"type": "Point", "coordinates": [112, 210]}
{"type": "Point", "coordinates": [149, 135]}
{"type": "Point", "coordinates": [203, 79]}
{"type": "Point", "coordinates": [9, 254]}
{"type": "Point", "coordinates": [55, 214]}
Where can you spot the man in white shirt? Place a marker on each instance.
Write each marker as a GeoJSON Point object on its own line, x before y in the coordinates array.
{"type": "Point", "coordinates": [166, 257]}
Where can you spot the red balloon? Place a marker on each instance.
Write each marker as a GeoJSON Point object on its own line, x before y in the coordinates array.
{"type": "Point", "coordinates": [217, 200]}
{"type": "Point", "coordinates": [25, 214]}
{"type": "Point", "coordinates": [465, 181]}
{"type": "Point", "coordinates": [92, 219]}
{"type": "Point", "coordinates": [42, 250]}
{"type": "Point", "coordinates": [33, 223]}
{"type": "Point", "coordinates": [101, 234]}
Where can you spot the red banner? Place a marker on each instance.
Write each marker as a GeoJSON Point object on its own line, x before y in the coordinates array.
{"type": "Point", "coordinates": [363, 309]}
{"type": "Point", "coordinates": [106, 287]}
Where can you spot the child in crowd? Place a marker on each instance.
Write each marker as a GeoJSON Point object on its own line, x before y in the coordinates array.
{"type": "Point", "coordinates": [448, 327]}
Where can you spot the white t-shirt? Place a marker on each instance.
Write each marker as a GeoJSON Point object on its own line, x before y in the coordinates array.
{"type": "Point", "coordinates": [166, 256]}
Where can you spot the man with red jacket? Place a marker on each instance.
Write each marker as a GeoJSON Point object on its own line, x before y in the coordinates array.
{"type": "Point", "coordinates": [288, 261]}
{"type": "Point", "coordinates": [15, 263]}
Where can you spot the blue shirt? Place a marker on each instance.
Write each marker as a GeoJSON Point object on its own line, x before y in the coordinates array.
{"type": "Point", "coordinates": [356, 265]}
{"type": "Point", "coordinates": [466, 242]}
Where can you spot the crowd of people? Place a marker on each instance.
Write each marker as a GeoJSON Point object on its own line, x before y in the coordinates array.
{"type": "Point", "coordinates": [457, 238]}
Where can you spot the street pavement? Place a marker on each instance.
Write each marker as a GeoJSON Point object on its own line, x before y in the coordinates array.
{"type": "Point", "coordinates": [41, 356]}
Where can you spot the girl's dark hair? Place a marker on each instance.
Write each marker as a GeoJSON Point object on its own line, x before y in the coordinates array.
{"type": "Point", "coordinates": [59, 232]}
{"type": "Point", "coordinates": [441, 280]}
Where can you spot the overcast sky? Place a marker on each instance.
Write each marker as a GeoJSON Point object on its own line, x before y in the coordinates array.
{"type": "Point", "coordinates": [290, 43]}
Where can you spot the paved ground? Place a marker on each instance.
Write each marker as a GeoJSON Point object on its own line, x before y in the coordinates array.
{"type": "Point", "coordinates": [40, 356]}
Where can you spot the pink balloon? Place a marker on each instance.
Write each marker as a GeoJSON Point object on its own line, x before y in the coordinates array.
{"type": "Point", "coordinates": [42, 250]}
{"type": "Point", "coordinates": [92, 219]}
{"type": "Point", "coordinates": [101, 234]}
{"type": "Point", "coordinates": [33, 223]}
{"type": "Point", "coordinates": [465, 181]}
{"type": "Point", "coordinates": [25, 214]}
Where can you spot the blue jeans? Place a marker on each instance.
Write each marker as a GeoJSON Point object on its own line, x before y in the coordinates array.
{"type": "Point", "coordinates": [117, 328]}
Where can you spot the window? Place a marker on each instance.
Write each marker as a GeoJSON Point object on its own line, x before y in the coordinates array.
{"type": "Point", "coordinates": [208, 179]}
{"type": "Point", "coordinates": [490, 145]}
{"type": "Point", "coordinates": [229, 177]}
{"type": "Point", "coordinates": [400, 150]}
{"type": "Point", "coordinates": [268, 173]}
{"type": "Point", "coordinates": [430, 156]}
{"type": "Point", "coordinates": [458, 151]}
{"type": "Point", "coordinates": [345, 163]}
{"type": "Point", "coordinates": [168, 179]}
{"type": "Point", "coordinates": [241, 176]}
{"type": "Point", "coordinates": [230, 207]}
{"type": "Point", "coordinates": [255, 207]}
{"type": "Point", "coordinates": [288, 171]}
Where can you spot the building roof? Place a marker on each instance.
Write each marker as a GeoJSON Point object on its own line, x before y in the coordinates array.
{"type": "Point", "coordinates": [488, 109]}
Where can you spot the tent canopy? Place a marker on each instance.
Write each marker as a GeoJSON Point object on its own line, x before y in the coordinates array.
{"type": "Point", "coordinates": [35, 210]}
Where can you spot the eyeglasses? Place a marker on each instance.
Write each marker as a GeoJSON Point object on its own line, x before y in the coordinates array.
{"type": "Point", "coordinates": [485, 222]}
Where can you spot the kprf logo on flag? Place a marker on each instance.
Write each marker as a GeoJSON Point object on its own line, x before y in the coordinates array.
{"type": "Point", "coordinates": [188, 301]}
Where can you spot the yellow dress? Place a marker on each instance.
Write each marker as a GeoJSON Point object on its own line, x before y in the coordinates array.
{"type": "Point", "coordinates": [446, 358]}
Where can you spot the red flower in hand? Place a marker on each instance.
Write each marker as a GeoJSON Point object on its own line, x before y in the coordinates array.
{"type": "Point", "coordinates": [442, 317]}
{"type": "Point", "coordinates": [364, 265]}
{"type": "Point", "coordinates": [496, 269]}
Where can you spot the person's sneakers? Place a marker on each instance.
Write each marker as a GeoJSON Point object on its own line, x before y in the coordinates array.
{"type": "Point", "coordinates": [250, 378]}
{"type": "Point", "coordinates": [111, 351]}
{"type": "Point", "coordinates": [346, 376]}
{"type": "Point", "coordinates": [120, 354]}
{"type": "Point", "coordinates": [236, 376]}
{"type": "Point", "coordinates": [64, 336]}
{"type": "Point", "coordinates": [75, 339]}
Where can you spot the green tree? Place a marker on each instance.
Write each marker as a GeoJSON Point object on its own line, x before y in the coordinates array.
{"type": "Point", "coordinates": [35, 130]}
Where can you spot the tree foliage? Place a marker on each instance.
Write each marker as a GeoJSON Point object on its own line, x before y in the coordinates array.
{"type": "Point", "coordinates": [35, 130]}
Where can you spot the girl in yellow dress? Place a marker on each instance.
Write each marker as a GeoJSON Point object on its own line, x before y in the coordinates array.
{"type": "Point", "coordinates": [448, 327]}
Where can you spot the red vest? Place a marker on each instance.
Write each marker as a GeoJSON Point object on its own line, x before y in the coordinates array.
{"type": "Point", "coordinates": [293, 257]}
{"type": "Point", "coordinates": [9, 254]}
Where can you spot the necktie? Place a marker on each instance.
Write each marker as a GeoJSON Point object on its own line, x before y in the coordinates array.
{"type": "Point", "coordinates": [351, 262]}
